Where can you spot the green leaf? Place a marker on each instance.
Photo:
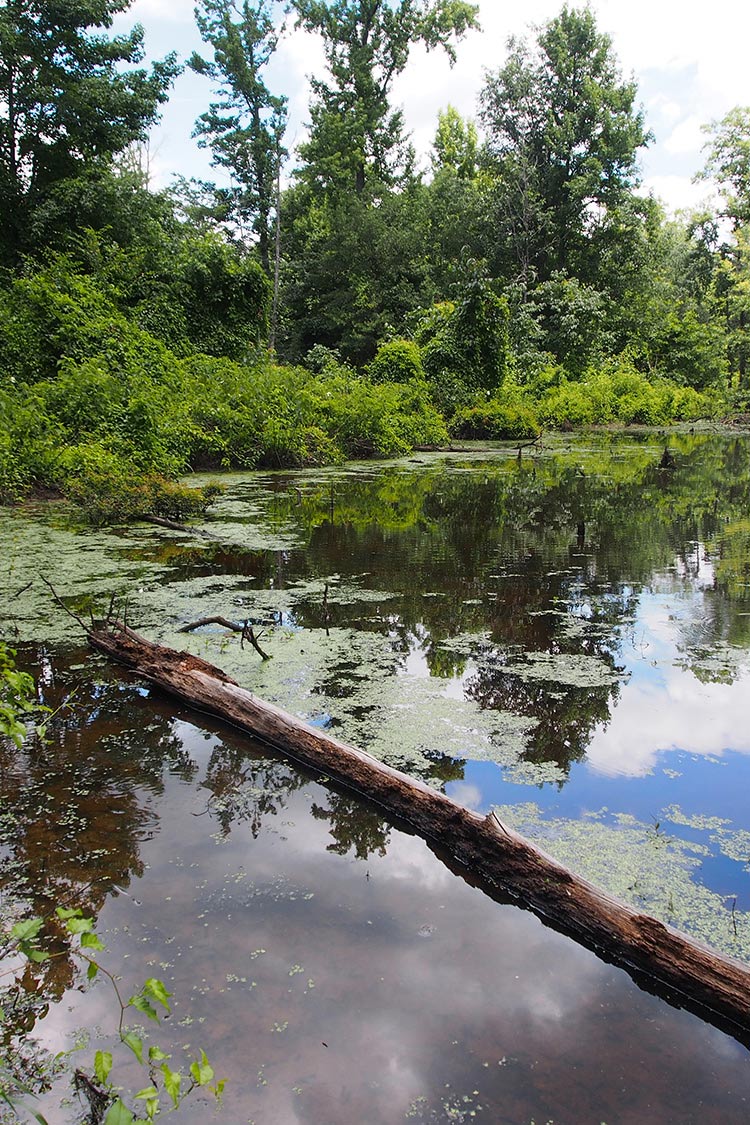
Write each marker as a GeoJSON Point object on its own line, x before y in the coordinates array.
{"type": "Point", "coordinates": [35, 955]}
{"type": "Point", "coordinates": [92, 970]}
{"type": "Point", "coordinates": [157, 991]}
{"type": "Point", "coordinates": [147, 1092]}
{"type": "Point", "coordinates": [102, 1065]}
{"type": "Point", "coordinates": [64, 914]}
{"type": "Point", "coordinates": [118, 1114]}
{"type": "Point", "coordinates": [141, 1004]}
{"type": "Point", "coordinates": [80, 925]}
{"type": "Point", "coordinates": [172, 1083]}
{"type": "Point", "coordinates": [91, 941]}
{"type": "Point", "coordinates": [155, 1054]}
{"type": "Point", "coordinates": [27, 930]}
{"type": "Point", "coordinates": [130, 1039]}
{"type": "Point", "coordinates": [202, 1072]}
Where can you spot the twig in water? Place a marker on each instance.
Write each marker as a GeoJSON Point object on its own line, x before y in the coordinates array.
{"type": "Point", "coordinates": [63, 606]}
{"type": "Point", "coordinates": [326, 614]}
{"type": "Point", "coordinates": [248, 633]}
{"type": "Point", "coordinates": [217, 620]}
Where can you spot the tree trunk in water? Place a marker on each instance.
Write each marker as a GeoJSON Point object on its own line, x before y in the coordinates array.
{"type": "Point", "coordinates": [486, 852]}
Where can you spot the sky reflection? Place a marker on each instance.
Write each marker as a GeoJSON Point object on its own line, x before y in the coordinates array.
{"type": "Point", "coordinates": [327, 988]}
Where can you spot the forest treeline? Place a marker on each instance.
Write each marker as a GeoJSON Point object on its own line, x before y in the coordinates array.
{"type": "Point", "coordinates": [336, 301]}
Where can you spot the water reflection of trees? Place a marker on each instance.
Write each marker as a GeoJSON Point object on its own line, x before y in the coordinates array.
{"type": "Point", "coordinates": [75, 808]}
{"type": "Point", "coordinates": [353, 826]}
{"type": "Point", "coordinates": [248, 787]}
{"type": "Point", "coordinates": [504, 543]}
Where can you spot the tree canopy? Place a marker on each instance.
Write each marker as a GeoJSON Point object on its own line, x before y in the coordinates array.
{"type": "Point", "coordinates": [355, 135]}
{"type": "Point", "coordinates": [564, 133]}
{"type": "Point", "coordinates": [71, 99]}
{"type": "Point", "coordinates": [245, 125]}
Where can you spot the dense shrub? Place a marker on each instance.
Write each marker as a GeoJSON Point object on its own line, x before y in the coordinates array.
{"type": "Point", "coordinates": [619, 393]}
{"type": "Point", "coordinates": [495, 420]}
{"type": "Point", "coordinates": [397, 361]}
{"type": "Point", "coordinates": [93, 405]}
{"type": "Point", "coordinates": [110, 490]}
{"type": "Point", "coordinates": [465, 346]}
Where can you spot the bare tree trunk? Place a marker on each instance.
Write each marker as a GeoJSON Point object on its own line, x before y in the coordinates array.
{"type": "Point", "coordinates": [277, 260]}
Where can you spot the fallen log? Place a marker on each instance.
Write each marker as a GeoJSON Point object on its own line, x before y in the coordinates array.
{"type": "Point", "coordinates": [487, 852]}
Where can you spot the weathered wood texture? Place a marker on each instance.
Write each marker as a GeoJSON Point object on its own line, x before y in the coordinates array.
{"type": "Point", "coordinates": [490, 854]}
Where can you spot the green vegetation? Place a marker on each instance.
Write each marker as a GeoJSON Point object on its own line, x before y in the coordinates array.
{"type": "Point", "coordinates": [523, 285]}
{"type": "Point", "coordinates": [166, 1088]}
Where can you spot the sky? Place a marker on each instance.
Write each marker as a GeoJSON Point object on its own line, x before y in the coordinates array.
{"type": "Point", "coordinates": [690, 64]}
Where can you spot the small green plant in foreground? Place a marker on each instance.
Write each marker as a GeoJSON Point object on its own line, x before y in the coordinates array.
{"type": "Point", "coordinates": [16, 697]}
{"type": "Point", "coordinates": [166, 1088]}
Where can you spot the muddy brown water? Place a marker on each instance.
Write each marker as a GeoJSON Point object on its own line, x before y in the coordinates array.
{"type": "Point", "coordinates": [567, 639]}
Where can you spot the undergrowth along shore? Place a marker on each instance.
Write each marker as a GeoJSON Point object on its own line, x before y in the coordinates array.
{"type": "Point", "coordinates": [98, 409]}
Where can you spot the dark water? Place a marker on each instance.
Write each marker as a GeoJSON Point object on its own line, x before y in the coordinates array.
{"type": "Point", "coordinates": [330, 965]}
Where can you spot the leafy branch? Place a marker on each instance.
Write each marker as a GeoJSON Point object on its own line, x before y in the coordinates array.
{"type": "Point", "coordinates": [167, 1087]}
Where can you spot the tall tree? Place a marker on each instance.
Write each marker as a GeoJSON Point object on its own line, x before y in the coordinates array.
{"type": "Point", "coordinates": [354, 247]}
{"type": "Point", "coordinates": [68, 104]}
{"type": "Point", "coordinates": [728, 162]}
{"type": "Point", "coordinates": [456, 145]}
{"type": "Point", "coordinates": [563, 135]}
{"type": "Point", "coordinates": [245, 125]}
{"type": "Point", "coordinates": [355, 135]}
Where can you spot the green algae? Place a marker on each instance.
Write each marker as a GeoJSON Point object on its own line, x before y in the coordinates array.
{"type": "Point", "coordinates": [354, 684]}
{"type": "Point", "coordinates": [83, 566]}
{"type": "Point", "coordinates": [702, 823]}
{"type": "Point", "coordinates": [732, 842]}
{"type": "Point", "coordinates": [568, 669]}
{"type": "Point", "coordinates": [642, 866]}
{"type": "Point", "coordinates": [719, 663]}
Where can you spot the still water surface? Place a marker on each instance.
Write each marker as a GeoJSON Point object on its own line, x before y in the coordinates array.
{"type": "Point", "coordinates": [567, 638]}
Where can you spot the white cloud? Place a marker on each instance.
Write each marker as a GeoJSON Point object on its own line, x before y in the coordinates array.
{"type": "Point", "coordinates": [664, 706]}
{"type": "Point", "coordinates": [685, 137]}
{"type": "Point", "coordinates": [682, 714]}
{"type": "Point", "coordinates": [678, 192]}
{"type": "Point", "coordinates": [664, 108]}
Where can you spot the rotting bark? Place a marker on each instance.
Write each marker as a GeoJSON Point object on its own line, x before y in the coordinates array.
{"type": "Point", "coordinates": [487, 852]}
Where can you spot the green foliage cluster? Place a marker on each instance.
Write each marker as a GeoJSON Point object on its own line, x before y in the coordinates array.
{"type": "Point", "coordinates": [29, 941]}
{"type": "Point", "coordinates": [496, 419]}
{"type": "Point", "coordinates": [396, 361]}
{"type": "Point", "coordinates": [615, 392]}
{"type": "Point", "coordinates": [17, 697]}
{"type": "Point", "coordinates": [94, 405]}
{"type": "Point", "coordinates": [166, 1087]}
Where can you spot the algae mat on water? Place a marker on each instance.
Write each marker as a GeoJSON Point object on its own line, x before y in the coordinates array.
{"type": "Point", "coordinates": [643, 865]}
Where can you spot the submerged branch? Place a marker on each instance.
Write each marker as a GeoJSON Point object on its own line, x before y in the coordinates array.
{"type": "Point", "coordinates": [245, 629]}
{"type": "Point", "coordinates": [173, 525]}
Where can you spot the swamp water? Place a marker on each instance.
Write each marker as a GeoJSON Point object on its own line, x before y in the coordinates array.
{"type": "Point", "coordinates": [566, 638]}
